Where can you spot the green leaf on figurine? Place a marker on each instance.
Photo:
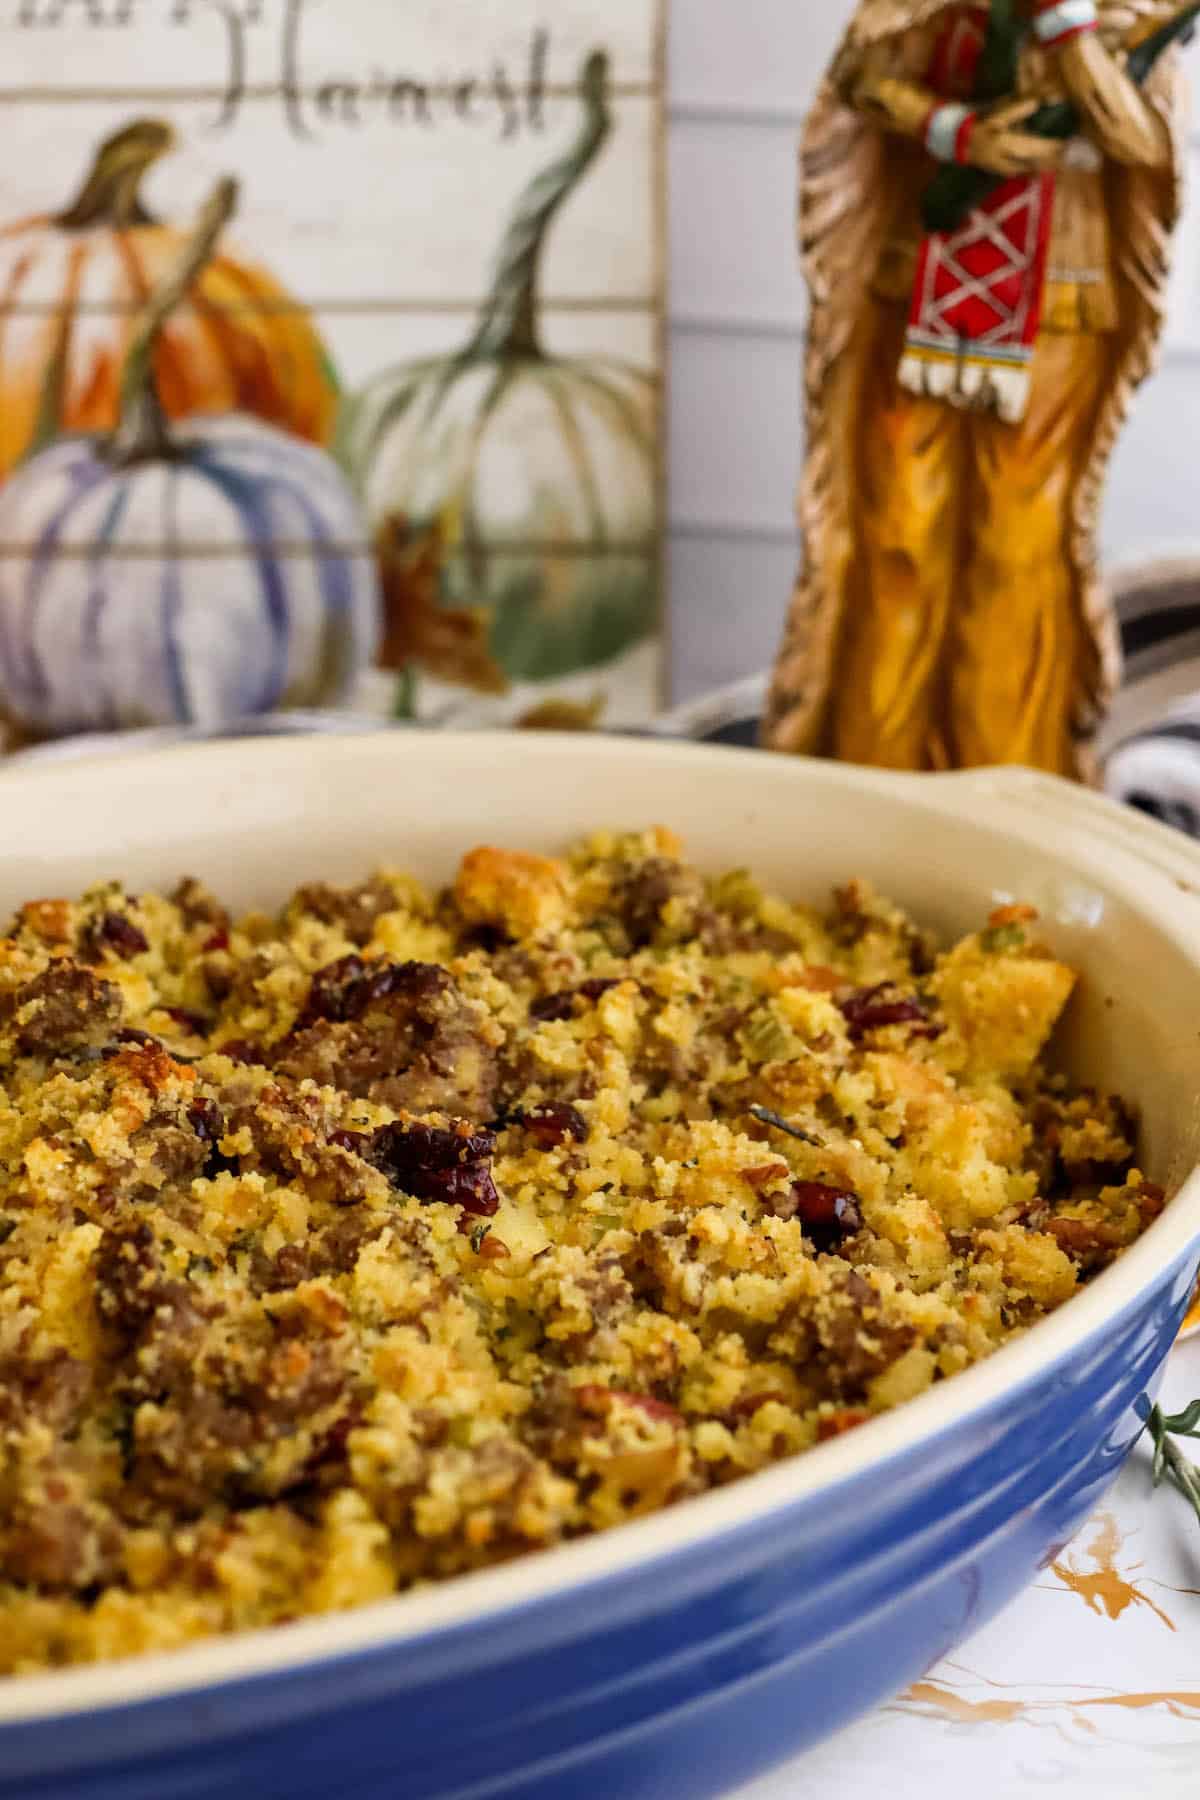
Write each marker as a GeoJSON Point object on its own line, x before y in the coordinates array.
{"type": "Point", "coordinates": [955, 191]}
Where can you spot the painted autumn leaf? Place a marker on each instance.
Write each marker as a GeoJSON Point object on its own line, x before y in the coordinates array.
{"type": "Point", "coordinates": [448, 642]}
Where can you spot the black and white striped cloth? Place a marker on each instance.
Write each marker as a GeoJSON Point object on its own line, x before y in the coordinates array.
{"type": "Point", "coordinates": [1150, 748]}
{"type": "Point", "coordinates": [1151, 744]}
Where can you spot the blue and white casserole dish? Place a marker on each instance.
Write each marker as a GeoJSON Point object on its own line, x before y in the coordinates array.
{"type": "Point", "coordinates": [685, 1653]}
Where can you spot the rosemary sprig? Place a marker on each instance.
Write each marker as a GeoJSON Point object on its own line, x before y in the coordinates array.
{"type": "Point", "coordinates": [1170, 1464]}
{"type": "Point", "coordinates": [765, 1116]}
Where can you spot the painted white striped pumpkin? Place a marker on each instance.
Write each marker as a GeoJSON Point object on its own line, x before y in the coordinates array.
{"type": "Point", "coordinates": [227, 578]}
{"type": "Point", "coordinates": [179, 574]}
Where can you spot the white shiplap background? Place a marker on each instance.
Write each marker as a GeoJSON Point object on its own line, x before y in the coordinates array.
{"type": "Point", "coordinates": [740, 76]}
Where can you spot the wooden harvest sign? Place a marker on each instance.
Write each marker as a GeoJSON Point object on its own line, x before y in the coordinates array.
{"type": "Point", "coordinates": [409, 393]}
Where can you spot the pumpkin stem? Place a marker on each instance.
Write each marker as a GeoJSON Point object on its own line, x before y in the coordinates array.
{"type": "Point", "coordinates": [508, 324]}
{"type": "Point", "coordinates": [111, 193]}
{"type": "Point", "coordinates": [142, 426]}
{"type": "Point", "coordinates": [48, 424]}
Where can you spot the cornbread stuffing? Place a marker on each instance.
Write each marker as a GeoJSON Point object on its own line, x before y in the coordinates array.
{"type": "Point", "coordinates": [398, 1234]}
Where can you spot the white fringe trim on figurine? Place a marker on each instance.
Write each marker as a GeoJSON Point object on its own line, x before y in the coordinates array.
{"type": "Point", "coordinates": [971, 382]}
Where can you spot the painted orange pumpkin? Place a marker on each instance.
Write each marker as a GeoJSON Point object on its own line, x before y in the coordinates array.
{"type": "Point", "coordinates": [72, 284]}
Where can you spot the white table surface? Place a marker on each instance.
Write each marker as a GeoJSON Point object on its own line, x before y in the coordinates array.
{"type": "Point", "coordinates": [1089, 1683]}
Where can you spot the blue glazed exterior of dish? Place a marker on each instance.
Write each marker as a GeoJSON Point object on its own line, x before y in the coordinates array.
{"type": "Point", "coordinates": [676, 1678]}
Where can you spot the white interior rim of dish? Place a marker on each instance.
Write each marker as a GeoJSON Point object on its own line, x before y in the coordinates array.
{"type": "Point", "coordinates": [488, 1594]}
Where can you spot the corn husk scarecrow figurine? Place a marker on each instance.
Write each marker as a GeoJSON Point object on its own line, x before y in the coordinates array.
{"type": "Point", "coordinates": [988, 196]}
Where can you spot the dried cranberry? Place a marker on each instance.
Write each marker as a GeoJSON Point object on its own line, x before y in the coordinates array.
{"type": "Point", "coordinates": [553, 1007]}
{"type": "Point", "coordinates": [112, 931]}
{"type": "Point", "coordinates": [208, 1123]}
{"type": "Point", "coordinates": [219, 940]}
{"type": "Point", "coordinates": [488, 938]}
{"type": "Point", "coordinates": [837, 1424]}
{"type": "Point", "coordinates": [187, 1021]}
{"type": "Point", "coordinates": [436, 1164]}
{"type": "Point", "coordinates": [131, 1038]}
{"type": "Point", "coordinates": [357, 1142]}
{"type": "Point", "coordinates": [206, 1120]}
{"type": "Point", "coordinates": [748, 1404]}
{"type": "Point", "coordinates": [242, 1050]}
{"type": "Point", "coordinates": [867, 1010]}
{"type": "Point", "coordinates": [592, 1398]}
{"type": "Point", "coordinates": [335, 992]}
{"type": "Point", "coordinates": [551, 1123]}
{"type": "Point", "coordinates": [345, 989]}
{"type": "Point", "coordinates": [827, 1214]}
{"type": "Point", "coordinates": [559, 1006]}
{"type": "Point", "coordinates": [330, 1451]}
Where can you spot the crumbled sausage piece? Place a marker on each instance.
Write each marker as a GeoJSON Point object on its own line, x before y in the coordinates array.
{"type": "Point", "coordinates": [63, 1010]}
{"type": "Point", "coordinates": [859, 1337]}
{"type": "Point", "coordinates": [355, 910]}
{"type": "Point", "coordinates": [199, 907]}
{"type": "Point", "coordinates": [644, 892]}
{"type": "Point", "coordinates": [51, 1389]}
{"type": "Point", "coordinates": [401, 1034]}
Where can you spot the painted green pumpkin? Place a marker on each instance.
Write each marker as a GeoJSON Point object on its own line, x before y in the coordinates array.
{"type": "Point", "coordinates": [535, 475]}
